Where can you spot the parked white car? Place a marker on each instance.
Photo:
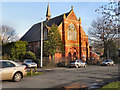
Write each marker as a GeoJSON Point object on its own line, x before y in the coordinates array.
{"type": "Point", "coordinates": [77, 64]}
{"type": "Point", "coordinates": [29, 63]}
{"type": "Point", "coordinates": [108, 62]}
{"type": "Point", "coordinates": [10, 70]}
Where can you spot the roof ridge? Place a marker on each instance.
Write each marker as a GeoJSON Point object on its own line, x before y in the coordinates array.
{"type": "Point", "coordinates": [53, 17]}
{"type": "Point", "coordinates": [94, 53]}
{"type": "Point", "coordinates": [60, 15]}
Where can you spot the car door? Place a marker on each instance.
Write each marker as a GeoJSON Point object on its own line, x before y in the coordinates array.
{"type": "Point", "coordinates": [82, 64]}
{"type": "Point", "coordinates": [7, 70]}
{"type": "Point", "coordinates": [111, 62]}
{"type": "Point", "coordinates": [79, 62]}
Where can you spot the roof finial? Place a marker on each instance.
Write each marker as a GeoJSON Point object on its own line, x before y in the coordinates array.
{"type": "Point", "coordinates": [71, 7]}
{"type": "Point", "coordinates": [79, 19]}
{"type": "Point", "coordinates": [64, 16]}
{"type": "Point", "coordinates": [48, 15]}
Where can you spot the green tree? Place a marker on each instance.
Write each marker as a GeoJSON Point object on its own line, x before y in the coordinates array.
{"type": "Point", "coordinates": [53, 42]}
{"type": "Point", "coordinates": [15, 50]}
{"type": "Point", "coordinates": [30, 55]}
{"type": "Point", "coordinates": [111, 49]}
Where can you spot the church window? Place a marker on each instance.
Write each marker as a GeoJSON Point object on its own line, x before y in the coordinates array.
{"type": "Point", "coordinates": [72, 34]}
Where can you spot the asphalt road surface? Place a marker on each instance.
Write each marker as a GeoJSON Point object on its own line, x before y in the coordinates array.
{"type": "Point", "coordinates": [61, 76]}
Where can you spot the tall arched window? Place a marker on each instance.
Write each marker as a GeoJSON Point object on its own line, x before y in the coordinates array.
{"type": "Point", "coordinates": [72, 34]}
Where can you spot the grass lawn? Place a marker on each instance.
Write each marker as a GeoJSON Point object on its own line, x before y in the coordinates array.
{"type": "Point", "coordinates": [112, 85]}
{"type": "Point", "coordinates": [34, 73]}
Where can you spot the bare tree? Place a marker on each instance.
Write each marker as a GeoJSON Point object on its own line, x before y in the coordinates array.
{"type": "Point", "coordinates": [8, 34]}
{"type": "Point", "coordinates": [111, 12]}
{"type": "Point", "coordinates": [106, 28]}
{"type": "Point", "coordinates": [102, 30]}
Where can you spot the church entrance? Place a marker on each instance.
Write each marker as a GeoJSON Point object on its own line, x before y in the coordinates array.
{"type": "Point", "coordinates": [74, 56]}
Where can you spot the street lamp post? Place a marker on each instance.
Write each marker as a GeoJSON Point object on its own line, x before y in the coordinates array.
{"type": "Point", "coordinates": [41, 42]}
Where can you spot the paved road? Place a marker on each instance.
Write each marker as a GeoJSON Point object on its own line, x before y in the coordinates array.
{"type": "Point", "coordinates": [60, 76]}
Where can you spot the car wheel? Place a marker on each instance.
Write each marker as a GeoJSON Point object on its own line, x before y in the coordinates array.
{"type": "Point", "coordinates": [35, 66]}
{"type": "Point", "coordinates": [69, 66]}
{"type": "Point", "coordinates": [17, 77]}
{"type": "Point", "coordinates": [84, 65]}
{"type": "Point", "coordinates": [108, 64]}
{"type": "Point", "coordinates": [77, 66]}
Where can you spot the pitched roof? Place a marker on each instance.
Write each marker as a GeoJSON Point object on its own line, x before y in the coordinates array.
{"type": "Point", "coordinates": [94, 53]}
{"type": "Point", "coordinates": [33, 34]}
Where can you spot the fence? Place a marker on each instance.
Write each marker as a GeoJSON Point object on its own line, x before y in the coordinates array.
{"type": "Point", "coordinates": [54, 62]}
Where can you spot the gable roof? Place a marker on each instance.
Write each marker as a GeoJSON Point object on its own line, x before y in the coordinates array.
{"type": "Point", "coordinates": [72, 15]}
{"type": "Point", "coordinates": [93, 53]}
{"type": "Point", "coordinates": [33, 34]}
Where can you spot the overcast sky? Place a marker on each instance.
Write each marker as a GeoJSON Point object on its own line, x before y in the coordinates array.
{"type": "Point", "coordinates": [22, 15]}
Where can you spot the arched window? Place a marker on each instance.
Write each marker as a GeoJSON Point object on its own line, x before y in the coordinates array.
{"type": "Point", "coordinates": [72, 34]}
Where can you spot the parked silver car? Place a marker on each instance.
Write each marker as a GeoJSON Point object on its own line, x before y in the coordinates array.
{"type": "Point", "coordinates": [77, 64]}
{"type": "Point", "coordinates": [108, 62]}
{"type": "Point", "coordinates": [10, 70]}
{"type": "Point", "coordinates": [29, 63]}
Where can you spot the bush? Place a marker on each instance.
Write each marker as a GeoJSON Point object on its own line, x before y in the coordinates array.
{"type": "Point", "coordinates": [89, 62]}
{"type": "Point", "coordinates": [21, 56]}
{"type": "Point", "coordinates": [117, 60]}
{"type": "Point", "coordinates": [50, 64]}
{"type": "Point", "coordinates": [5, 57]}
{"type": "Point", "coordinates": [38, 62]}
{"type": "Point", "coordinates": [14, 49]}
{"type": "Point", "coordinates": [61, 64]}
{"type": "Point", "coordinates": [30, 55]}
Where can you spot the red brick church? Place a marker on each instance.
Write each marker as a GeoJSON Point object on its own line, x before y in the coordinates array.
{"type": "Point", "coordinates": [73, 37]}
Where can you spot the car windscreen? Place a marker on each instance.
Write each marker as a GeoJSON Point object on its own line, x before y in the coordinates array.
{"type": "Point", "coordinates": [81, 61]}
{"type": "Point", "coordinates": [110, 60]}
{"type": "Point", "coordinates": [106, 60]}
{"type": "Point", "coordinates": [6, 64]}
{"type": "Point", "coordinates": [29, 61]}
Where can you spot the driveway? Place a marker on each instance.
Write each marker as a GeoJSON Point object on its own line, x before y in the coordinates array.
{"type": "Point", "coordinates": [62, 76]}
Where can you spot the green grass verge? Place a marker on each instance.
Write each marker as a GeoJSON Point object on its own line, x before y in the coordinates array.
{"type": "Point", "coordinates": [37, 73]}
{"type": "Point", "coordinates": [112, 85]}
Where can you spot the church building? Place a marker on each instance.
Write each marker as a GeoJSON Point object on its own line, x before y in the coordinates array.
{"type": "Point", "coordinates": [73, 37]}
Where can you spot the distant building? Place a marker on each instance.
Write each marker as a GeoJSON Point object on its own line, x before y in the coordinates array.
{"type": "Point", "coordinates": [73, 37]}
{"type": "Point", "coordinates": [94, 57]}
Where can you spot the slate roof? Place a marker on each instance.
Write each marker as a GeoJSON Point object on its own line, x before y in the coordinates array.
{"type": "Point", "coordinates": [33, 34]}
